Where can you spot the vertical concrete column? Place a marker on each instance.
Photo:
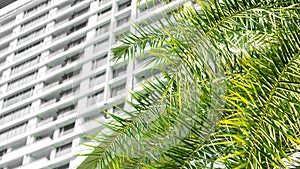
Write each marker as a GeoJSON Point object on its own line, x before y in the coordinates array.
{"type": "Point", "coordinates": [52, 12]}
{"type": "Point", "coordinates": [107, 78]}
{"type": "Point", "coordinates": [50, 26]}
{"type": "Point", "coordinates": [6, 74]}
{"type": "Point", "coordinates": [26, 159]}
{"type": "Point", "coordinates": [38, 88]}
{"type": "Point", "coordinates": [35, 105]}
{"type": "Point", "coordinates": [31, 125]}
{"type": "Point", "coordinates": [47, 40]}
{"type": "Point", "coordinates": [10, 58]}
{"type": "Point", "coordinates": [78, 128]}
{"type": "Point", "coordinates": [42, 71]}
{"type": "Point", "coordinates": [13, 44]}
{"type": "Point", "coordinates": [3, 88]}
{"type": "Point", "coordinates": [84, 86]}
{"type": "Point", "coordinates": [20, 16]}
{"type": "Point", "coordinates": [1, 103]}
{"type": "Point", "coordinates": [44, 56]}
{"type": "Point", "coordinates": [90, 36]}
{"type": "Point", "coordinates": [53, 151]}
{"type": "Point", "coordinates": [16, 30]}
{"type": "Point", "coordinates": [30, 139]}
{"type": "Point", "coordinates": [82, 104]}
{"type": "Point", "coordinates": [94, 6]}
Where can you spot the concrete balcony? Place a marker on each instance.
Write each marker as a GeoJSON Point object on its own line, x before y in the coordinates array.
{"type": "Point", "coordinates": [51, 85]}
{"type": "Point", "coordinates": [25, 150]}
{"type": "Point", "coordinates": [35, 163]}
{"type": "Point", "coordinates": [47, 103]}
{"type": "Point", "coordinates": [45, 121]}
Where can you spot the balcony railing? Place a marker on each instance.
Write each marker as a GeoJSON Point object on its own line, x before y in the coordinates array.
{"type": "Point", "coordinates": [13, 132]}
{"type": "Point", "coordinates": [47, 103]}
{"type": "Point", "coordinates": [37, 162]}
{"type": "Point", "coordinates": [54, 68]}
{"type": "Point", "coordinates": [2, 63]}
{"type": "Point", "coordinates": [69, 94]}
{"type": "Point", "coordinates": [8, 23]}
{"type": "Point", "coordinates": [32, 36]}
{"type": "Point", "coordinates": [70, 78]}
{"type": "Point", "coordinates": [66, 113]}
{"type": "Point", "coordinates": [59, 37]}
{"type": "Point", "coordinates": [4, 50]}
{"type": "Point", "coordinates": [45, 121]}
{"type": "Point", "coordinates": [51, 85]}
{"type": "Point", "coordinates": [64, 8]}
{"type": "Point", "coordinates": [18, 98]}
{"type": "Point", "coordinates": [117, 92]}
{"type": "Point", "coordinates": [41, 18]}
{"type": "Point", "coordinates": [99, 17]}
{"type": "Point", "coordinates": [14, 115]}
{"type": "Point", "coordinates": [98, 80]}
{"type": "Point", "coordinates": [56, 52]}
{"type": "Point", "coordinates": [102, 2]}
{"type": "Point", "coordinates": [28, 51]}
{"type": "Point", "coordinates": [62, 22]}
{"type": "Point", "coordinates": [95, 99]}
{"type": "Point", "coordinates": [37, 8]}
{"type": "Point", "coordinates": [5, 36]}
{"type": "Point", "coordinates": [63, 152]}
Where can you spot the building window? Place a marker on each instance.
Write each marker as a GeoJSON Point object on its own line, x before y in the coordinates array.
{"type": "Point", "coordinates": [78, 27]}
{"type": "Point", "coordinates": [66, 166]}
{"type": "Point", "coordinates": [124, 5]}
{"type": "Point", "coordinates": [98, 79]}
{"type": "Point", "coordinates": [66, 111]}
{"type": "Point", "coordinates": [77, 1]}
{"type": "Point", "coordinates": [66, 129]}
{"type": "Point", "coordinates": [74, 58]}
{"type": "Point", "coordinates": [99, 62]}
{"type": "Point", "coordinates": [70, 92]}
{"type": "Point", "coordinates": [18, 97]}
{"type": "Point", "coordinates": [101, 2]}
{"type": "Point", "coordinates": [12, 132]}
{"type": "Point", "coordinates": [76, 42]}
{"type": "Point", "coordinates": [102, 29]}
{"type": "Point", "coordinates": [24, 65]}
{"type": "Point", "coordinates": [119, 90]}
{"type": "Point", "coordinates": [29, 48]}
{"type": "Point", "coordinates": [104, 12]}
{"type": "Point", "coordinates": [71, 75]}
{"type": "Point", "coordinates": [119, 71]}
{"type": "Point", "coordinates": [96, 97]}
{"type": "Point", "coordinates": [123, 21]}
{"type": "Point", "coordinates": [36, 8]}
{"type": "Point", "coordinates": [34, 21]}
{"type": "Point", "coordinates": [63, 150]}
{"type": "Point", "coordinates": [31, 35]}
{"type": "Point", "coordinates": [21, 81]}
{"type": "Point", "coordinates": [8, 21]}
{"type": "Point", "coordinates": [101, 45]}
{"type": "Point", "coordinates": [77, 14]}
{"type": "Point", "coordinates": [14, 114]}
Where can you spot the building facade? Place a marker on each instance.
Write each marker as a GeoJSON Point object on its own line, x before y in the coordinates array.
{"type": "Point", "coordinates": [57, 77]}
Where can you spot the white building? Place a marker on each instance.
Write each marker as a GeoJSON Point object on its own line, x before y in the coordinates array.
{"type": "Point", "coordinates": [56, 75]}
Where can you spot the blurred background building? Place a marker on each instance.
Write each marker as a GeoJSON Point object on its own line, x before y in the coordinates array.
{"type": "Point", "coordinates": [57, 76]}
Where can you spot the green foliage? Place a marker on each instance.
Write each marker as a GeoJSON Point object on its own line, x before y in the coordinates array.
{"type": "Point", "coordinates": [232, 84]}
